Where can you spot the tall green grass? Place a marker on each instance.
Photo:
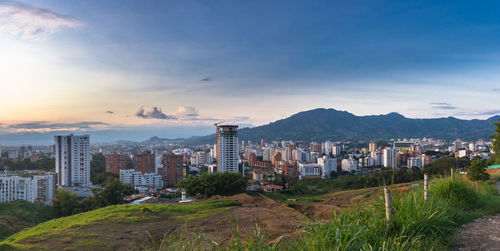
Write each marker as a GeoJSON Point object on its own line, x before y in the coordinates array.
{"type": "Point", "coordinates": [415, 225]}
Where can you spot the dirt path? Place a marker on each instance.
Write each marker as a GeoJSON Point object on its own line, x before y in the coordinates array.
{"type": "Point", "coordinates": [481, 234]}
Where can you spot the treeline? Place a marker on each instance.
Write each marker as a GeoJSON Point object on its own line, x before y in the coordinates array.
{"type": "Point", "coordinates": [387, 176]}
{"type": "Point", "coordinates": [67, 203]}
{"type": "Point", "coordinates": [214, 183]}
{"type": "Point", "coordinates": [45, 163]}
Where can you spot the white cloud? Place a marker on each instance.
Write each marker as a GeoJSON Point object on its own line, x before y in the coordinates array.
{"type": "Point", "coordinates": [187, 111]}
{"type": "Point", "coordinates": [30, 22]}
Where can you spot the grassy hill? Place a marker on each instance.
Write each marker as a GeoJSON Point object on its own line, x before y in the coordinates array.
{"type": "Point", "coordinates": [416, 224]}
{"type": "Point", "coordinates": [19, 214]}
{"type": "Point", "coordinates": [116, 227]}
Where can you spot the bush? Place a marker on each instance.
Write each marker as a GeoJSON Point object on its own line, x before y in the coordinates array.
{"type": "Point", "coordinates": [215, 183]}
{"type": "Point", "coordinates": [457, 192]}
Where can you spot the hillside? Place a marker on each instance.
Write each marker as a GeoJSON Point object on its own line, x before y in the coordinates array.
{"type": "Point", "coordinates": [330, 124]}
{"type": "Point", "coordinates": [135, 227]}
{"type": "Point", "coordinates": [19, 214]}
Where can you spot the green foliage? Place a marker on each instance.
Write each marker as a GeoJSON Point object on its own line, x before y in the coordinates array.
{"type": "Point", "coordinates": [66, 203]}
{"type": "Point", "coordinates": [98, 168]}
{"type": "Point", "coordinates": [496, 143]}
{"type": "Point", "coordinates": [25, 213]}
{"type": "Point", "coordinates": [216, 183]}
{"type": "Point", "coordinates": [442, 166]}
{"type": "Point", "coordinates": [457, 193]}
{"type": "Point", "coordinates": [44, 164]}
{"type": "Point", "coordinates": [477, 171]}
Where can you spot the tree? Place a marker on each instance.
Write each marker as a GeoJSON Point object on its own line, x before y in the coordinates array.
{"type": "Point", "coordinates": [113, 193]}
{"type": "Point", "coordinates": [65, 203]}
{"type": "Point", "coordinates": [98, 168]}
{"type": "Point", "coordinates": [477, 171]}
{"type": "Point", "coordinates": [496, 143]}
{"type": "Point", "coordinates": [215, 183]}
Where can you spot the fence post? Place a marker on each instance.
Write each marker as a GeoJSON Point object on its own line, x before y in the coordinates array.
{"type": "Point", "coordinates": [426, 186]}
{"type": "Point", "coordinates": [451, 174]}
{"type": "Point", "coordinates": [388, 204]}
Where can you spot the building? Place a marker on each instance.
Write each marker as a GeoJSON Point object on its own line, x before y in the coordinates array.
{"type": "Point", "coordinates": [415, 162]}
{"type": "Point", "coordinates": [40, 187]}
{"type": "Point", "coordinates": [276, 158]}
{"type": "Point", "coordinates": [349, 165]}
{"type": "Point", "coordinates": [73, 160]}
{"type": "Point", "coordinates": [328, 165]}
{"type": "Point", "coordinates": [316, 147]}
{"type": "Point", "coordinates": [388, 157]}
{"type": "Point", "coordinates": [116, 162]}
{"type": "Point", "coordinates": [173, 170]}
{"type": "Point", "coordinates": [138, 179]}
{"type": "Point", "coordinates": [227, 148]}
{"type": "Point", "coordinates": [145, 162]}
{"type": "Point", "coordinates": [309, 170]}
{"type": "Point", "coordinates": [372, 146]}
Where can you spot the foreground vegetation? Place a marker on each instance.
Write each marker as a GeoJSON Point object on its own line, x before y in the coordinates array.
{"type": "Point", "coordinates": [416, 224]}
{"type": "Point", "coordinates": [112, 217]}
{"type": "Point", "coordinates": [19, 214]}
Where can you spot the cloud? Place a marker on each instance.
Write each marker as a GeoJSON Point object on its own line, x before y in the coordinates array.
{"type": "Point", "coordinates": [479, 113]}
{"type": "Point", "coordinates": [109, 112]}
{"type": "Point", "coordinates": [155, 113]}
{"type": "Point", "coordinates": [496, 89]}
{"type": "Point", "coordinates": [32, 23]}
{"type": "Point", "coordinates": [187, 111]}
{"type": "Point", "coordinates": [206, 79]}
{"type": "Point", "coordinates": [442, 106]}
{"type": "Point", "coordinates": [50, 126]}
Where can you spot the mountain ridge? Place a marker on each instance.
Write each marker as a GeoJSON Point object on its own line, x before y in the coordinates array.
{"type": "Point", "coordinates": [329, 124]}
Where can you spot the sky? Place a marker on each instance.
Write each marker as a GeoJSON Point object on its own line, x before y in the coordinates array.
{"type": "Point", "coordinates": [136, 69]}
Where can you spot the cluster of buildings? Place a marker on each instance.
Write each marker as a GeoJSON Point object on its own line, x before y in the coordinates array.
{"type": "Point", "coordinates": [150, 170]}
{"type": "Point", "coordinates": [37, 188]}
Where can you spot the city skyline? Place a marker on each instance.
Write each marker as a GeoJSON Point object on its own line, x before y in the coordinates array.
{"type": "Point", "coordinates": [127, 66]}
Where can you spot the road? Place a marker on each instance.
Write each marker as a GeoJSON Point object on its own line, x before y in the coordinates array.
{"type": "Point", "coordinates": [481, 234]}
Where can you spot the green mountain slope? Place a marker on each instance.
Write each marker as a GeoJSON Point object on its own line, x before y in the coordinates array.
{"type": "Point", "coordinates": [330, 124]}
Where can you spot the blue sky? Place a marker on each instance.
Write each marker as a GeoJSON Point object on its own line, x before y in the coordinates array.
{"type": "Point", "coordinates": [248, 62]}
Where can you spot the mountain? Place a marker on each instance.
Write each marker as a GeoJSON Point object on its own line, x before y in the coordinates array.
{"type": "Point", "coordinates": [330, 124]}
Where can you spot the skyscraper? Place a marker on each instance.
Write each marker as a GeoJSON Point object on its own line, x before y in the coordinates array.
{"type": "Point", "coordinates": [73, 160]}
{"type": "Point", "coordinates": [372, 146]}
{"type": "Point", "coordinates": [227, 148]}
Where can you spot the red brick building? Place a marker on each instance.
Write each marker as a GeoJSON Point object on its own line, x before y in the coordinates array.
{"type": "Point", "coordinates": [115, 162]}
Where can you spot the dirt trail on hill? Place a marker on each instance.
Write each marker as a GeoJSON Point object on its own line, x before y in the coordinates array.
{"type": "Point", "coordinates": [481, 234]}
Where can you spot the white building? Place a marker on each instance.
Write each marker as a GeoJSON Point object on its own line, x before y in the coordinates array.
{"type": "Point", "coordinates": [388, 157]}
{"type": "Point", "coordinates": [349, 165]}
{"type": "Point", "coordinates": [327, 147]}
{"type": "Point", "coordinates": [328, 165]}
{"type": "Point", "coordinates": [415, 161]}
{"type": "Point", "coordinates": [377, 157]}
{"type": "Point", "coordinates": [137, 179]}
{"type": "Point", "coordinates": [227, 148]}
{"type": "Point", "coordinates": [44, 186]}
{"type": "Point", "coordinates": [73, 160]}
{"type": "Point", "coordinates": [309, 170]}
{"type": "Point", "coordinates": [335, 150]}
{"type": "Point", "coordinates": [19, 188]}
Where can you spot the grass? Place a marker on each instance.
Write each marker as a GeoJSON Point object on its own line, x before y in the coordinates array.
{"type": "Point", "coordinates": [18, 214]}
{"type": "Point", "coordinates": [415, 225]}
{"type": "Point", "coordinates": [282, 197]}
{"type": "Point", "coordinates": [117, 214]}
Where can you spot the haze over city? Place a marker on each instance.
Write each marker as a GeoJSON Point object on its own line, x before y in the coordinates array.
{"type": "Point", "coordinates": [173, 68]}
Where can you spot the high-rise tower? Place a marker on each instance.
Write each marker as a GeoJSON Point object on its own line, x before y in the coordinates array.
{"type": "Point", "coordinates": [227, 148]}
{"type": "Point", "coordinates": [73, 160]}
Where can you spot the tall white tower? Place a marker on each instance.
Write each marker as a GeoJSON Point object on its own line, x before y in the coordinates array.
{"type": "Point", "coordinates": [227, 148]}
{"type": "Point", "coordinates": [73, 160]}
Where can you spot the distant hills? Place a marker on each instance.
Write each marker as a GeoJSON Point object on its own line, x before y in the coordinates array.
{"type": "Point", "coordinates": [330, 124]}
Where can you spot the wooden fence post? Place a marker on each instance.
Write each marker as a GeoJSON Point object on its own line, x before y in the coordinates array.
{"type": "Point", "coordinates": [452, 174]}
{"type": "Point", "coordinates": [388, 204]}
{"type": "Point", "coordinates": [426, 186]}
